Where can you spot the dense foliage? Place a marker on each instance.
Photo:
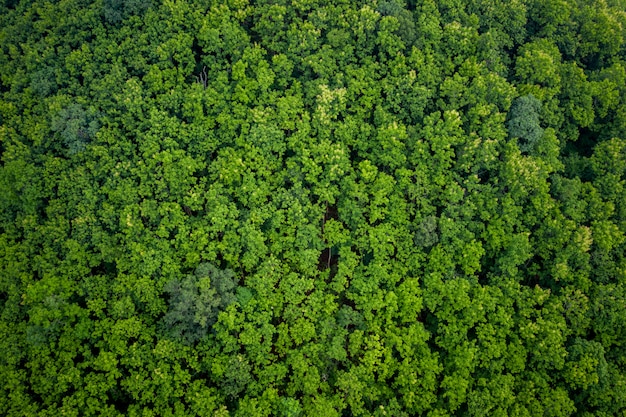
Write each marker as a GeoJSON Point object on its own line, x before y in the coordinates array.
{"type": "Point", "coordinates": [313, 207]}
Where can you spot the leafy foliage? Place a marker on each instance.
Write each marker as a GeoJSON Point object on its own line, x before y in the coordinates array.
{"type": "Point", "coordinates": [196, 300]}
{"type": "Point", "coordinates": [334, 208]}
{"type": "Point", "coordinates": [523, 122]}
{"type": "Point", "coordinates": [76, 126]}
{"type": "Point", "coordinates": [117, 10]}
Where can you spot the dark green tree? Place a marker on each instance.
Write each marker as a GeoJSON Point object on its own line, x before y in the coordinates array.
{"type": "Point", "coordinates": [196, 300]}
{"type": "Point", "coordinates": [523, 122]}
{"type": "Point", "coordinates": [77, 126]}
{"type": "Point", "coordinates": [406, 21]}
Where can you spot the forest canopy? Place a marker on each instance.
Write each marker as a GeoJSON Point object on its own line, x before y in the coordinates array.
{"type": "Point", "coordinates": [313, 208]}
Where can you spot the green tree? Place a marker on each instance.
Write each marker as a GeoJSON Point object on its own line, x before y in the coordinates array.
{"type": "Point", "coordinates": [523, 122]}
{"type": "Point", "coordinates": [76, 126]}
{"type": "Point", "coordinates": [196, 300]}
